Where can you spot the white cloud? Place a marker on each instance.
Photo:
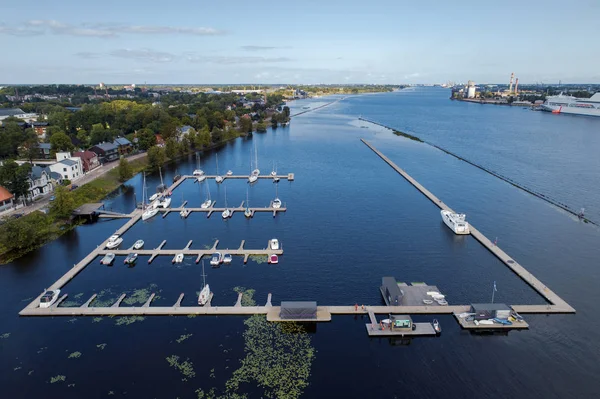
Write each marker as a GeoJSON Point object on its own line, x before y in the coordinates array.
{"type": "Point", "coordinates": [143, 55]}
{"type": "Point", "coordinates": [230, 60]}
{"type": "Point", "coordinates": [43, 26]}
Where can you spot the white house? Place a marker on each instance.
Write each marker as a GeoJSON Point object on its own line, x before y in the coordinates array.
{"type": "Point", "coordinates": [68, 168]}
{"type": "Point", "coordinates": [17, 113]}
{"type": "Point", "coordinates": [39, 182]}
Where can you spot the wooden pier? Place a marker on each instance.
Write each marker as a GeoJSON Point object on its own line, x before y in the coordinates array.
{"type": "Point", "coordinates": [289, 177]}
{"type": "Point", "coordinates": [558, 304]}
{"type": "Point", "coordinates": [211, 209]}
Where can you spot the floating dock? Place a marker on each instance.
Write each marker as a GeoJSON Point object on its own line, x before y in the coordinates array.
{"type": "Point", "coordinates": [470, 325]}
{"type": "Point", "coordinates": [558, 305]}
{"type": "Point", "coordinates": [289, 177]}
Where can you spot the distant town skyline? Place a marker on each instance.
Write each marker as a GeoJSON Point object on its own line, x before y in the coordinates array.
{"type": "Point", "coordinates": [309, 42]}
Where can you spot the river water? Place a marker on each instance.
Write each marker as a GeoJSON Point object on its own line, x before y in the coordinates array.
{"type": "Point", "coordinates": [351, 220]}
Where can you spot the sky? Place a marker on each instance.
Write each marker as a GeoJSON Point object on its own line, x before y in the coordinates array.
{"type": "Point", "coordinates": [298, 42]}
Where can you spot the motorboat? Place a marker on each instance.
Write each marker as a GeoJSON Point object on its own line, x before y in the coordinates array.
{"type": "Point", "coordinates": [274, 244]}
{"type": "Point", "coordinates": [139, 244]}
{"type": "Point", "coordinates": [276, 179]}
{"type": "Point", "coordinates": [130, 259]}
{"type": "Point", "coordinates": [276, 203]}
{"type": "Point", "coordinates": [154, 197]}
{"type": "Point", "coordinates": [204, 295]}
{"type": "Point", "coordinates": [229, 173]}
{"type": "Point", "coordinates": [437, 327]}
{"type": "Point", "coordinates": [48, 298]}
{"type": "Point", "coordinates": [456, 222]}
{"type": "Point", "coordinates": [273, 259]}
{"type": "Point", "coordinates": [216, 259]}
{"type": "Point", "coordinates": [206, 204]}
{"type": "Point", "coordinates": [226, 213]}
{"type": "Point", "coordinates": [164, 202]}
{"type": "Point", "coordinates": [201, 178]}
{"type": "Point", "coordinates": [108, 259]}
{"type": "Point", "coordinates": [178, 258]}
{"type": "Point", "coordinates": [219, 179]}
{"type": "Point", "coordinates": [227, 258]}
{"type": "Point", "coordinates": [176, 177]}
{"type": "Point", "coordinates": [114, 241]}
{"type": "Point", "coordinates": [486, 322]}
{"type": "Point", "coordinates": [252, 178]}
{"type": "Point", "coordinates": [184, 213]}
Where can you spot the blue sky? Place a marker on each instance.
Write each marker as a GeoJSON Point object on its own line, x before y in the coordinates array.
{"type": "Point", "coordinates": [326, 41]}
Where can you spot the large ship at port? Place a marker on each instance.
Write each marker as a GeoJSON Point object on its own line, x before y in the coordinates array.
{"type": "Point", "coordinates": [564, 104]}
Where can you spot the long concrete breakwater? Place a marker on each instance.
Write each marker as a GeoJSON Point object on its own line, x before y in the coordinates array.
{"type": "Point", "coordinates": [558, 304]}
{"type": "Point", "coordinates": [508, 180]}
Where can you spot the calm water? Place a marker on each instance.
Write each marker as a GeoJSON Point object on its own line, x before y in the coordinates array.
{"type": "Point", "coordinates": [351, 220]}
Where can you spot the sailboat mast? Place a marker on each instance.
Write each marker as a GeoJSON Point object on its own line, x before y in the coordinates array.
{"type": "Point", "coordinates": [217, 155]}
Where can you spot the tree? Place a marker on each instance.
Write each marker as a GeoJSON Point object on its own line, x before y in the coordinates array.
{"type": "Point", "coordinates": [245, 124]}
{"type": "Point", "coordinates": [15, 178]}
{"type": "Point", "coordinates": [286, 112]}
{"type": "Point", "coordinates": [146, 139]}
{"type": "Point", "coordinates": [30, 144]}
{"type": "Point", "coordinates": [261, 127]}
{"type": "Point", "coordinates": [60, 142]}
{"type": "Point", "coordinates": [216, 135]}
{"type": "Point", "coordinates": [156, 157]}
{"type": "Point", "coordinates": [100, 134]}
{"type": "Point", "coordinates": [171, 148]}
{"type": "Point", "coordinates": [26, 232]}
{"type": "Point", "coordinates": [63, 203]}
{"type": "Point", "coordinates": [203, 138]}
{"type": "Point", "coordinates": [125, 171]}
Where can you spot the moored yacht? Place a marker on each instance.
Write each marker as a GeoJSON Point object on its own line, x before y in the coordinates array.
{"type": "Point", "coordinates": [456, 222]}
{"type": "Point", "coordinates": [198, 171]}
{"type": "Point", "coordinates": [229, 173]}
{"type": "Point", "coordinates": [131, 259]}
{"type": "Point", "coordinates": [139, 244]}
{"type": "Point", "coordinates": [274, 244]}
{"type": "Point", "coordinates": [216, 259]}
{"type": "Point", "coordinates": [114, 241]}
{"type": "Point", "coordinates": [48, 298]}
{"type": "Point", "coordinates": [204, 295]}
{"type": "Point", "coordinates": [149, 210]}
{"type": "Point", "coordinates": [108, 259]}
{"type": "Point", "coordinates": [178, 258]}
{"type": "Point", "coordinates": [219, 178]}
{"type": "Point", "coordinates": [184, 213]}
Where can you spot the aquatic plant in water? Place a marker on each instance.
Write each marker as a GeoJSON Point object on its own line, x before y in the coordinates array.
{"type": "Point", "coordinates": [58, 378]}
{"type": "Point", "coordinates": [259, 258]}
{"type": "Point", "coordinates": [247, 295]}
{"type": "Point", "coordinates": [96, 319]}
{"type": "Point", "coordinates": [127, 320]}
{"type": "Point", "coordinates": [101, 346]}
{"type": "Point", "coordinates": [75, 355]}
{"type": "Point", "coordinates": [183, 337]}
{"type": "Point", "coordinates": [186, 368]}
{"type": "Point", "coordinates": [5, 335]}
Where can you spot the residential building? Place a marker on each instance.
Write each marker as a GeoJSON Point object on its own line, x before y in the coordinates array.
{"type": "Point", "coordinates": [39, 182]}
{"type": "Point", "coordinates": [123, 145]}
{"type": "Point", "coordinates": [40, 129]}
{"type": "Point", "coordinates": [106, 152]}
{"type": "Point", "coordinates": [69, 168]}
{"type": "Point", "coordinates": [62, 155]}
{"type": "Point", "coordinates": [160, 142]}
{"type": "Point", "coordinates": [44, 150]}
{"type": "Point", "coordinates": [6, 199]}
{"type": "Point", "coordinates": [17, 113]}
{"type": "Point", "coordinates": [89, 160]}
{"type": "Point", "coordinates": [183, 131]}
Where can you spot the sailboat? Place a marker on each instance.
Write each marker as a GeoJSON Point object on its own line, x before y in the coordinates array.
{"type": "Point", "coordinates": [162, 187]}
{"type": "Point", "coordinates": [275, 177]}
{"type": "Point", "coordinates": [198, 171]}
{"type": "Point", "coordinates": [253, 177]}
{"type": "Point", "coordinates": [247, 212]}
{"type": "Point", "coordinates": [226, 213]}
{"type": "Point", "coordinates": [204, 295]}
{"type": "Point", "coordinates": [218, 179]}
{"type": "Point", "coordinates": [206, 204]}
{"type": "Point", "coordinates": [273, 173]}
{"type": "Point", "coordinates": [149, 210]}
{"type": "Point", "coordinates": [184, 213]}
{"type": "Point", "coordinates": [256, 171]}
{"type": "Point", "coordinates": [276, 201]}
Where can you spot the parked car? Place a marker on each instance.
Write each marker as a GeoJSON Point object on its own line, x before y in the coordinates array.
{"type": "Point", "coordinates": [17, 215]}
{"type": "Point", "coordinates": [73, 187]}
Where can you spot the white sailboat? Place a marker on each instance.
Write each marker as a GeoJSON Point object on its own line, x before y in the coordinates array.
{"type": "Point", "coordinates": [273, 173]}
{"type": "Point", "coordinates": [198, 171]}
{"type": "Point", "coordinates": [275, 177]}
{"type": "Point", "coordinates": [229, 173]}
{"type": "Point", "coordinates": [206, 204]}
{"type": "Point", "coordinates": [253, 177]}
{"type": "Point", "coordinates": [226, 213]}
{"type": "Point", "coordinates": [256, 171]}
{"type": "Point", "coordinates": [204, 295]}
{"type": "Point", "coordinates": [247, 212]}
{"type": "Point", "coordinates": [149, 210]}
{"type": "Point", "coordinates": [276, 201]}
{"type": "Point", "coordinates": [456, 222]}
{"type": "Point", "coordinates": [162, 188]}
{"type": "Point", "coordinates": [219, 178]}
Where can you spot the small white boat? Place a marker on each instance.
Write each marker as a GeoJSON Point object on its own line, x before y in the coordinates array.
{"type": "Point", "coordinates": [114, 241]}
{"type": "Point", "coordinates": [198, 172]}
{"type": "Point", "coordinates": [149, 210]}
{"type": "Point", "coordinates": [108, 259]}
{"type": "Point", "coordinates": [227, 258]}
{"type": "Point", "coordinates": [486, 322]}
{"type": "Point", "coordinates": [276, 179]}
{"type": "Point", "coordinates": [216, 259]}
{"type": "Point", "coordinates": [247, 211]}
{"type": "Point", "coordinates": [139, 244]}
{"type": "Point", "coordinates": [273, 259]}
{"type": "Point", "coordinates": [178, 258]}
{"type": "Point", "coordinates": [386, 321]}
{"type": "Point", "coordinates": [437, 327]}
{"type": "Point", "coordinates": [465, 315]}
{"type": "Point", "coordinates": [274, 244]}
{"type": "Point", "coordinates": [226, 214]}
{"type": "Point", "coordinates": [164, 202]}
{"type": "Point", "coordinates": [273, 172]}
{"type": "Point", "coordinates": [48, 298]}
{"type": "Point", "coordinates": [130, 259]}
{"type": "Point", "coordinates": [154, 197]}
{"type": "Point", "coordinates": [206, 204]}
{"type": "Point", "coordinates": [219, 178]}
{"type": "Point", "coordinates": [252, 178]}
{"type": "Point", "coordinates": [229, 173]}
{"type": "Point", "coordinates": [276, 203]}
{"type": "Point", "coordinates": [184, 213]}
{"type": "Point", "coordinates": [204, 295]}
{"type": "Point", "coordinates": [201, 178]}
{"type": "Point", "coordinates": [456, 222]}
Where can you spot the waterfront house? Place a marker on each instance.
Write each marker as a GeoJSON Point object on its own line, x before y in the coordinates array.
{"type": "Point", "coordinates": [123, 145]}
{"type": "Point", "coordinates": [89, 160]}
{"type": "Point", "coordinates": [68, 168]}
{"type": "Point", "coordinates": [183, 131]}
{"type": "Point", "coordinates": [39, 182]}
{"type": "Point", "coordinates": [6, 199]}
{"type": "Point", "coordinates": [44, 150]}
{"type": "Point", "coordinates": [106, 152]}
